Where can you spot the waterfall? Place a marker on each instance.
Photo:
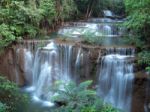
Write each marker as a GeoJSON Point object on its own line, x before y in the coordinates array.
{"type": "Point", "coordinates": [52, 63]}
{"type": "Point", "coordinates": [116, 78]}
{"type": "Point", "coordinates": [65, 62]}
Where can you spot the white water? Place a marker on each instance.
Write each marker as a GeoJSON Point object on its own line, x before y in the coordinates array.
{"type": "Point", "coordinates": [107, 30]}
{"type": "Point", "coordinates": [116, 78]}
{"type": "Point", "coordinates": [44, 70]}
{"type": "Point", "coordinates": [50, 64]}
{"type": "Point", "coordinates": [108, 13]}
{"type": "Point", "coordinates": [77, 30]}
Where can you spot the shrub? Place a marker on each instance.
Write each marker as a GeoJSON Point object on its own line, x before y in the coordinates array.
{"type": "Point", "coordinates": [144, 57]}
{"type": "Point", "coordinates": [10, 95]}
{"type": "Point", "coordinates": [3, 107]}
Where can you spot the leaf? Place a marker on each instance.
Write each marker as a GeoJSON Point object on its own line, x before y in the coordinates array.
{"type": "Point", "coordinates": [85, 85]}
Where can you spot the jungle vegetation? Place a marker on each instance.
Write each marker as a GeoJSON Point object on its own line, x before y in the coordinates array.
{"type": "Point", "coordinates": [138, 22]}
{"type": "Point", "coordinates": [11, 99]}
{"type": "Point", "coordinates": [27, 19]}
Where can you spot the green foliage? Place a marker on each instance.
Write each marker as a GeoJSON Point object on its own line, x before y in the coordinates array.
{"type": "Point", "coordinates": [148, 69]}
{"type": "Point", "coordinates": [92, 39]}
{"type": "Point", "coordinates": [109, 108]}
{"type": "Point", "coordinates": [17, 19]}
{"type": "Point", "coordinates": [136, 41]}
{"type": "Point", "coordinates": [139, 24]}
{"type": "Point", "coordinates": [68, 9]}
{"type": "Point", "coordinates": [10, 95]}
{"type": "Point", "coordinates": [3, 107]}
{"type": "Point", "coordinates": [144, 57]}
{"type": "Point", "coordinates": [138, 19]}
{"type": "Point", "coordinates": [6, 35]}
{"type": "Point", "coordinates": [22, 18]}
{"type": "Point", "coordinates": [48, 9]}
{"type": "Point", "coordinates": [79, 98]}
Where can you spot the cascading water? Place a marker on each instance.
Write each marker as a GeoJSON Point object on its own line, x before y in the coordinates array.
{"type": "Point", "coordinates": [116, 78]}
{"type": "Point", "coordinates": [52, 63]}
{"type": "Point", "coordinates": [107, 30]}
{"type": "Point", "coordinates": [108, 13]}
{"type": "Point", "coordinates": [48, 72]}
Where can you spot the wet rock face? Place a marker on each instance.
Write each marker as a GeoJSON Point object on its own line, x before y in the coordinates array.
{"type": "Point", "coordinates": [147, 101]}
{"type": "Point", "coordinates": [11, 65]}
{"type": "Point", "coordinates": [139, 92]}
{"type": "Point", "coordinates": [85, 69]}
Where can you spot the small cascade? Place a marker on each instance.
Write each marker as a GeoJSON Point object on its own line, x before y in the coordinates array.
{"type": "Point", "coordinates": [95, 29]}
{"type": "Point", "coordinates": [105, 20]}
{"type": "Point", "coordinates": [101, 20]}
{"type": "Point", "coordinates": [122, 51]}
{"type": "Point", "coordinates": [116, 78]}
{"type": "Point", "coordinates": [107, 30]}
{"type": "Point", "coordinates": [77, 29]}
{"type": "Point", "coordinates": [108, 13]}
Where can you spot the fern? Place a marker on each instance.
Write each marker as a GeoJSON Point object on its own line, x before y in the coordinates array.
{"type": "Point", "coordinates": [79, 98]}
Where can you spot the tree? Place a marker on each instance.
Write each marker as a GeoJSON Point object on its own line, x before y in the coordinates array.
{"type": "Point", "coordinates": [138, 22]}
{"type": "Point", "coordinates": [23, 18]}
